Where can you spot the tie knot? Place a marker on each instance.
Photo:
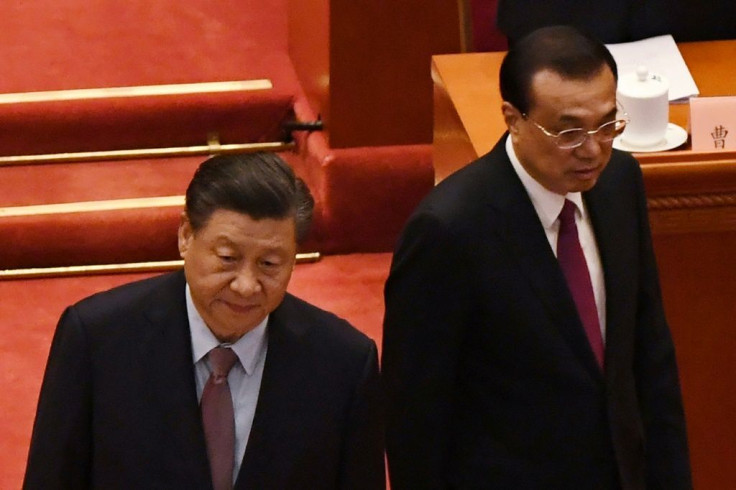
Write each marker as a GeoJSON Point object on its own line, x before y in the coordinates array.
{"type": "Point", "coordinates": [222, 359]}
{"type": "Point", "coordinates": [567, 215]}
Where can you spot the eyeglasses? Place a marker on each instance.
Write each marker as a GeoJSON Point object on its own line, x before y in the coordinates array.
{"type": "Point", "coordinates": [572, 138]}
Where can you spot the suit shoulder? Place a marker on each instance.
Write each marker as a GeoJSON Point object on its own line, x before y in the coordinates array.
{"type": "Point", "coordinates": [622, 161]}
{"type": "Point", "coordinates": [623, 173]}
{"type": "Point", "coordinates": [457, 193]}
{"type": "Point", "coordinates": [324, 330]}
{"type": "Point", "coordinates": [130, 296]}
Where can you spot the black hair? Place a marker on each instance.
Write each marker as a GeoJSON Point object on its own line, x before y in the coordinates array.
{"type": "Point", "coordinates": [565, 50]}
{"type": "Point", "coordinates": [260, 185]}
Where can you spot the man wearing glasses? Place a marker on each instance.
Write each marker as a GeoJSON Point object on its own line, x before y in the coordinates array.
{"type": "Point", "coordinates": [525, 344]}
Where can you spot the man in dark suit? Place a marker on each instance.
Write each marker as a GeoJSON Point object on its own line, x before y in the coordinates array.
{"type": "Point", "coordinates": [128, 368]}
{"type": "Point", "coordinates": [495, 375]}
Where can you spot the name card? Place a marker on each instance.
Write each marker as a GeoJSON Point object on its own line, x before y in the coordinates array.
{"type": "Point", "coordinates": [713, 123]}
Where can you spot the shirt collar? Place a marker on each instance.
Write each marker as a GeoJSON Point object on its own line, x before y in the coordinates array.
{"type": "Point", "coordinates": [548, 204]}
{"type": "Point", "coordinates": [248, 348]}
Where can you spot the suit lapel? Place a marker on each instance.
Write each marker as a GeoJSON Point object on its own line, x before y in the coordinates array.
{"type": "Point", "coordinates": [529, 246]}
{"type": "Point", "coordinates": [264, 457]}
{"type": "Point", "coordinates": [166, 360]}
{"type": "Point", "coordinates": [609, 222]}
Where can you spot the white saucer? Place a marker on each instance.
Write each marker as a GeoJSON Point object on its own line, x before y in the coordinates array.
{"type": "Point", "coordinates": [674, 137]}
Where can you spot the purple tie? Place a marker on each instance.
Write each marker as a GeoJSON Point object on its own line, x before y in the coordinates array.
{"type": "Point", "coordinates": [572, 260]}
{"type": "Point", "coordinates": [218, 418]}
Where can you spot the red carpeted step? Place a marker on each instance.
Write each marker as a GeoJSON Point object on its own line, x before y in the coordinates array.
{"type": "Point", "coordinates": [51, 45]}
{"type": "Point", "coordinates": [40, 236]}
{"type": "Point", "coordinates": [140, 43]}
{"type": "Point", "coordinates": [95, 181]}
{"type": "Point", "coordinates": [111, 122]}
{"type": "Point", "coordinates": [363, 197]}
{"type": "Point", "coordinates": [363, 194]}
{"type": "Point", "coordinates": [105, 44]}
{"type": "Point", "coordinates": [109, 218]}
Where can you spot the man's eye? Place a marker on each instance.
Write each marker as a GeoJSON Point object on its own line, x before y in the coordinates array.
{"type": "Point", "coordinates": [227, 258]}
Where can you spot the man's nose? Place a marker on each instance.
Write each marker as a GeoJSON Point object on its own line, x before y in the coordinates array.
{"type": "Point", "coordinates": [591, 147]}
{"type": "Point", "coordinates": [246, 281]}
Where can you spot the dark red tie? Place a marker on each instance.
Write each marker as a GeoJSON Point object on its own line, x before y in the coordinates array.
{"type": "Point", "coordinates": [218, 418]}
{"type": "Point", "coordinates": [572, 260]}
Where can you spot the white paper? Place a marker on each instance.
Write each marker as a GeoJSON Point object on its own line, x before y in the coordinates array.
{"type": "Point", "coordinates": [661, 56]}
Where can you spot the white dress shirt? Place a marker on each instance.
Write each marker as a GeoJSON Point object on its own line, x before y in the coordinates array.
{"type": "Point", "coordinates": [244, 378]}
{"type": "Point", "coordinates": [548, 205]}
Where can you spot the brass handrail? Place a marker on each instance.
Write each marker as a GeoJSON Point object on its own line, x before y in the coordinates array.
{"type": "Point", "coordinates": [183, 151]}
{"type": "Point", "coordinates": [92, 206]}
{"type": "Point", "coordinates": [128, 268]}
{"type": "Point", "coordinates": [213, 146]}
{"type": "Point", "coordinates": [136, 91]}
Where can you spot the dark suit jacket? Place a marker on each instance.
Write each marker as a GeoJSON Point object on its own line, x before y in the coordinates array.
{"type": "Point", "coordinates": [491, 380]}
{"type": "Point", "coordinates": [118, 406]}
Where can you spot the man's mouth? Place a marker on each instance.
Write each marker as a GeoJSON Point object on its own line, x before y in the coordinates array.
{"type": "Point", "coordinates": [586, 172]}
{"type": "Point", "coordinates": [240, 308]}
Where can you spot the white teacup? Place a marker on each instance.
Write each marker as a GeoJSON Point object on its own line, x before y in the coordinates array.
{"type": "Point", "coordinates": [644, 97]}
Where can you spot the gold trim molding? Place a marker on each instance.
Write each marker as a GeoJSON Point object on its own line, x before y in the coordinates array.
{"type": "Point", "coordinates": [212, 148]}
{"type": "Point", "coordinates": [129, 268]}
{"type": "Point", "coordinates": [93, 206]}
{"type": "Point", "coordinates": [692, 202]}
{"type": "Point", "coordinates": [136, 91]}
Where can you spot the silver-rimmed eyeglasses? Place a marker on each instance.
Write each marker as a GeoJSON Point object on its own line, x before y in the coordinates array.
{"type": "Point", "coordinates": [572, 138]}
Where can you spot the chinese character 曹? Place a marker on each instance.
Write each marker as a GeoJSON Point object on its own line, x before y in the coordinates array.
{"type": "Point", "coordinates": [719, 136]}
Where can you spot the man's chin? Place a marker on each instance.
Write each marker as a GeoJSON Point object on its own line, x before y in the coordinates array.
{"type": "Point", "coordinates": [584, 181]}
{"type": "Point", "coordinates": [229, 326]}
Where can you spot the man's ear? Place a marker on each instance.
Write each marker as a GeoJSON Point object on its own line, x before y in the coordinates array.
{"type": "Point", "coordinates": [511, 116]}
{"type": "Point", "coordinates": [185, 235]}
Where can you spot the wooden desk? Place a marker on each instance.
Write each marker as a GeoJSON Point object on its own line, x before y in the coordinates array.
{"type": "Point", "coordinates": [467, 103]}
{"type": "Point", "coordinates": [692, 203]}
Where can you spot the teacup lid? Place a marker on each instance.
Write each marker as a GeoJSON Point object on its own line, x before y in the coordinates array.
{"type": "Point", "coordinates": [642, 84]}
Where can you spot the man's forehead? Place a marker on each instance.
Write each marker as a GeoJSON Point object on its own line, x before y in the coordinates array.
{"type": "Point", "coordinates": [548, 78]}
{"type": "Point", "coordinates": [551, 89]}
